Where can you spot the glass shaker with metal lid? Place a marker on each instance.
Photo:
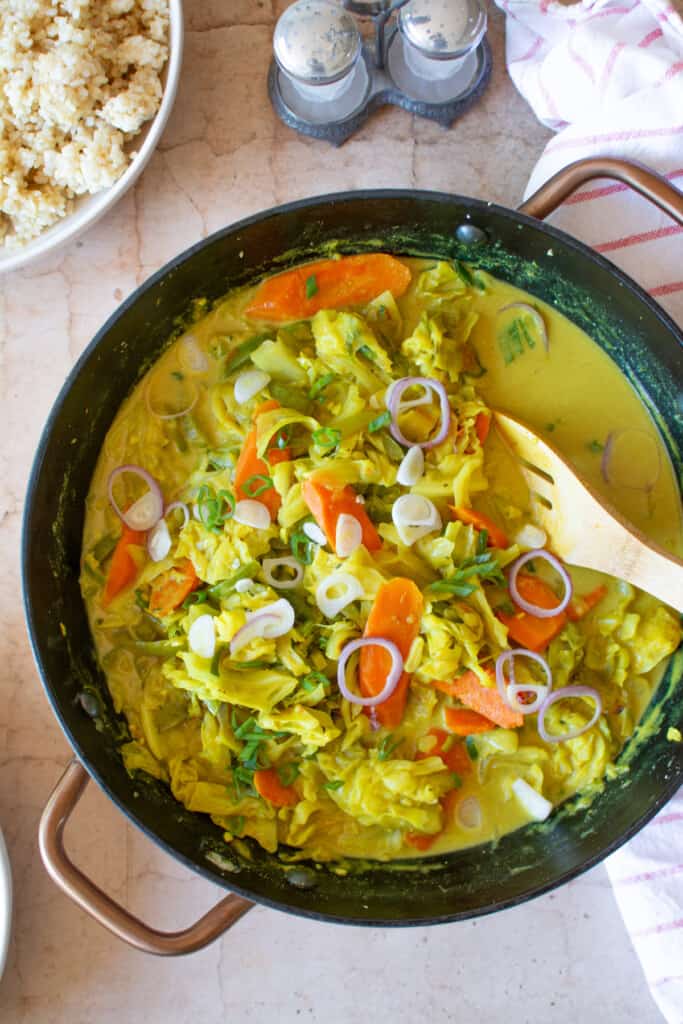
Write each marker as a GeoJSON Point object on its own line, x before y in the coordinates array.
{"type": "Point", "coordinates": [318, 50]}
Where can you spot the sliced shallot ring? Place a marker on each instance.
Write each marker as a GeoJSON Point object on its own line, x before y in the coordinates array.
{"type": "Point", "coordinates": [145, 512]}
{"type": "Point", "coordinates": [469, 813]}
{"type": "Point", "coordinates": [314, 533]}
{"type": "Point", "coordinates": [201, 637]}
{"type": "Point", "coordinates": [190, 355]}
{"type": "Point", "coordinates": [412, 467]}
{"type": "Point", "coordinates": [171, 415]}
{"type": "Point", "coordinates": [534, 609]}
{"type": "Point", "coordinates": [348, 535]}
{"type": "Point", "coordinates": [391, 680]}
{"type": "Point", "coordinates": [288, 562]}
{"type": "Point", "coordinates": [250, 512]}
{"type": "Point", "coordinates": [414, 516]}
{"type": "Point", "coordinates": [566, 693]}
{"type": "Point", "coordinates": [331, 606]}
{"type": "Point", "coordinates": [608, 452]}
{"type": "Point", "coordinates": [395, 406]}
{"type": "Point", "coordinates": [267, 623]}
{"type": "Point", "coordinates": [158, 541]}
{"type": "Point", "coordinates": [510, 689]}
{"type": "Point", "coordinates": [181, 507]}
{"type": "Point", "coordinates": [249, 383]}
{"type": "Point", "coordinates": [535, 316]}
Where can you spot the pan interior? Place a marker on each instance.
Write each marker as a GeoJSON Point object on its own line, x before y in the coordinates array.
{"type": "Point", "coordinates": [544, 262]}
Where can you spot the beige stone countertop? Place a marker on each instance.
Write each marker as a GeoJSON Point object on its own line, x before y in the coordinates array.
{"type": "Point", "coordinates": [560, 958]}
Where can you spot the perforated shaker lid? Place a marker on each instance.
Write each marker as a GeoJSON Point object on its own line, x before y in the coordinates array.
{"type": "Point", "coordinates": [316, 41]}
{"type": "Point", "coordinates": [443, 29]}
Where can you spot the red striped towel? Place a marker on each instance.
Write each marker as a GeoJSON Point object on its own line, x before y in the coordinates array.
{"type": "Point", "coordinates": [607, 76]}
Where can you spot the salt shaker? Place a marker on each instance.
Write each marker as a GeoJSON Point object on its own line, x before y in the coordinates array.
{"type": "Point", "coordinates": [439, 35]}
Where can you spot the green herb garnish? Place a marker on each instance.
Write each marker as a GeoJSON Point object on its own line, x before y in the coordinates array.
{"type": "Point", "coordinates": [218, 591]}
{"type": "Point", "coordinates": [196, 597]}
{"type": "Point", "coordinates": [302, 547]}
{"type": "Point", "coordinates": [252, 756]}
{"type": "Point", "coordinates": [471, 748]}
{"type": "Point", "coordinates": [320, 384]}
{"type": "Point", "coordinates": [236, 824]}
{"type": "Point", "coordinates": [240, 356]}
{"type": "Point", "coordinates": [365, 350]}
{"type": "Point", "coordinates": [457, 781]}
{"type": "Point", "coordinates": [595, 446]}
{"type": "Point", "coordinates": [463, 271]}
{"type": "Point", "coordinates": [333, 784]}
{"type": "Point", "coordinates": [311, 286]}
{"type": "Point", "coordinates": [326, 437]}
{"type": "Point", "coordinates": [482, 566]}
{"type": "Point", "coordinates": [313, 680]}
{"type": "Point", "coordinates": [383, 420]}
{"type": "Point", "coordinates": [288, 772]}
{"type": "Point", "coordinates": [177, 375]}
{"type": "Point", "coordinates": [388, 746]}
{"type": "Point", "coordinates": [256, 484]}
{"type": "Point", "coordinates": [513, 338]}
{"type": "Point", "coordinates": [140, 600]}
{"type": "Point", "coordinates": [254, 663]}
{"type": "Point", "coordinates": [214, 509]}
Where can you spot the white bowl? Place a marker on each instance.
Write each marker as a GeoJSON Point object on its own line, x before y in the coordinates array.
{"type": "Point", "coordinates": [88, 209]}
{"type": "Point", "coordinates": [5, 903]}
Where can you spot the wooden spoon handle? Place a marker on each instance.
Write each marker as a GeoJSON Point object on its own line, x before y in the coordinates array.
{"type": "Point", "coordinates": [649, 567]}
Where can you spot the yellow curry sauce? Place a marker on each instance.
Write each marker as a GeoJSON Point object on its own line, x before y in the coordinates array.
{"type": "Point", "coordinates": [215, 722]}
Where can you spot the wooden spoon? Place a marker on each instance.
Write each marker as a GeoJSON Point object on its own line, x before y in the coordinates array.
{"type": "Point", "coordinates": [582, 527]}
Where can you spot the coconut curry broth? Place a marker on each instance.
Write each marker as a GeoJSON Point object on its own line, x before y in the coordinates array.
{"type": "Point", "coordinates": [411, 787]}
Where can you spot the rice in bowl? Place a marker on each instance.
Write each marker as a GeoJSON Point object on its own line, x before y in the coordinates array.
{"type": "Point", "coordinates": [78, 80]}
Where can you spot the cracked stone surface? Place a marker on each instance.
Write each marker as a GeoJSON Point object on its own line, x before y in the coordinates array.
{"type": "Point", "coordinates": [225, 155]}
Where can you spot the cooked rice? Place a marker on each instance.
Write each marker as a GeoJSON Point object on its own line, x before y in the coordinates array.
{"type": "Point", "coordinates": [78, 79]}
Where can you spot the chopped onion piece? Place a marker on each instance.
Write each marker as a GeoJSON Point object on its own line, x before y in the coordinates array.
{"type": "Point", "coordinates": [202, 636]}
{"type": "Point", "coordinates": [538, 320]}
{"type": "Point", "coordinates": [414, 517]}
{"type": "Point", "coordinates": [391, 681]}
{"type": "Point", "coordinates": [242, 586]}
{"type": "Point", "coordinates": [348, 535]}
{"type": "Point", "coordinates": [565, 693]}
{"type": "Point", "coordinates": [267, 623]}
{"type": "Point", "coordinates": [179, 506]}
{"type": "Point", "coordinates": [625, 463]}
{"type": "Point", "coordinates": [531, 536]}
{"type": "Point", "coordinates": [250, 512]}
{"type": "Point", "coordinates": [351, 590]}
{"type": "Point", "coordinates": [510, 689]}
{"type": "Point", "coordinates": [147, 510]}
{"type": "Point", "coordinates": [531, 800]}
{"type": "Point", "coordinates": [249, 384]}
{"type": "Point", "coordinates": [190, 355]}
{"type": "Point", "coordinates": [412, 467]}
{"type": "Point", "coordinates": [469, 813]}
{"type": "Point", "coordinates": [396, 406]}
{"type": "Point", "coordinates": [289, 562]}
{"type": "Point", "coordinates": [159, 541]}
{"type": "Point", "coordinates": [534, 609]}
{"type": "Point", "coordinates": [314, 533]}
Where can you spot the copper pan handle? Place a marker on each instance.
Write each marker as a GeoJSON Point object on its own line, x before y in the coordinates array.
{"type": "Point", "coordinates": [90, 897]}
{"type": "Point", "coordinates": [650, 185]}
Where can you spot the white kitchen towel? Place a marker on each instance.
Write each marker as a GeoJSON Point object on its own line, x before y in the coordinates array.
{"type": "Point", "coordinates": [607, 77]}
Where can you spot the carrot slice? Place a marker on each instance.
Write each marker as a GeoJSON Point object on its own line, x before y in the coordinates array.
{"type": "Point", "coordinates": [497, 538]}
{"type": "Point", "coordinates": [268, 785]}
{"type": "Point", "coordinates": [581, 606]}
{"type": "Point", "coordinates": [485, 700]}
{"type": "Point", "coordinates": [454, 757]}
{"type": "Point", "coordinates": [527, 630]}
{"type": "Point", "coordinates": [328, 284]}
{"type": "Point", "coordinates": [327, 504]}
{"type": "Point", "coordinates": [122, 569]}
{"type": "Point", "coordinates": [464, 722]}
{"type": "Point", "coordinates": [172, 587]}
{"type": "Point", "coordinates": [395, 615]}
{"type": "Point", "coordinates": [250, 464]}
{"type": "Point", "coordinates": [482, 425]}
